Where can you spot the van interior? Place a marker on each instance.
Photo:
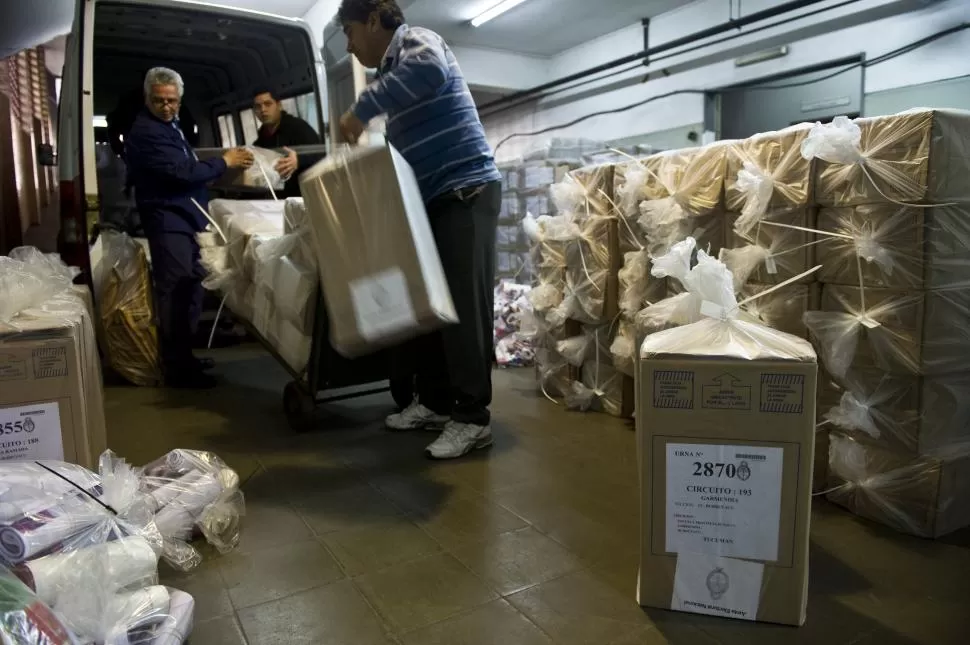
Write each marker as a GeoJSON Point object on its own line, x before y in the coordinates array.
{"type": "Point", "coordinates": [222, 55]}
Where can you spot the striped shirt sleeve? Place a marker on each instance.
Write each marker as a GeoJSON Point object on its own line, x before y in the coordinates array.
{"type": "Point", "coordinates": [422, 70]}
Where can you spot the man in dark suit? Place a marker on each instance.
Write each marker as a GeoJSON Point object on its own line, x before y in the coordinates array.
{"type": "Point", "coordinates": [170, 188]}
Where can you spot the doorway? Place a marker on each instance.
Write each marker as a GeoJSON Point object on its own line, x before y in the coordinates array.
{"type": "Point", "coordinates": [817, 94]}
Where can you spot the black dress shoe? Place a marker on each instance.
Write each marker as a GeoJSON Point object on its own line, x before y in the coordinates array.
{"type": "Point", "coordinates": [205, 363]}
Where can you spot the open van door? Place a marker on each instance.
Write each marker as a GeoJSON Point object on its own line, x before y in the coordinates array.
{"type": "Point", "coordinates": [78, 182]}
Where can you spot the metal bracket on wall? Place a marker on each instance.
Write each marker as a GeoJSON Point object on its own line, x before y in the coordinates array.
{"type": "Point", "coordinates": [646, 40]}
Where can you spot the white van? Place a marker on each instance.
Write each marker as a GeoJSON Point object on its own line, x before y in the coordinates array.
{"type": "Point", "coordinates": [223, 54]}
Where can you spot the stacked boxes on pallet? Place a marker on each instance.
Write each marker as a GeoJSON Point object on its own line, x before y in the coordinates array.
{"type": "Point", "coordinates": [769, 194]}
{"type": "Point", "coordinates": [894, 194]}
{"type": "Point", "coordinates": [661, 200]}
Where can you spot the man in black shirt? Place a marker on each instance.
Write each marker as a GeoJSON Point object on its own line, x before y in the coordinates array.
{"type": "Point", "coordinates": [279, 130]}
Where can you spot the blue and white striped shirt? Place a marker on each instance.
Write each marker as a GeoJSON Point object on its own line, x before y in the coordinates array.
{"type": "Point", "coordinates": [431, 116]}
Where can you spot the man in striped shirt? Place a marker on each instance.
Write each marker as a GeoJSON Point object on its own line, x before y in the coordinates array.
{"type": "Point", "coordinates": [432, 120]}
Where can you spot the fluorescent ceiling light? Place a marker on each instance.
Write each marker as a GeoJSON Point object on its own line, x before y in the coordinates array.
{"type": "Point", "coordinates": [495, 11]}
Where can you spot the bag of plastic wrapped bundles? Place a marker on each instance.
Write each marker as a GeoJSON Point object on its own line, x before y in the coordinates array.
{"type": "Point", "coordinates": [192, 489]}
{"type": "Point", "coordinates": [64, 528]}
{"type": "Point", "coordinates": [25, 620]}
{"type": "Point", "coordinates": [124, 284]}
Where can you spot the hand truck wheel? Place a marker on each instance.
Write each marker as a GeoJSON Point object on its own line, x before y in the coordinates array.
{"type": "Point", "coordinates": [299, 407]}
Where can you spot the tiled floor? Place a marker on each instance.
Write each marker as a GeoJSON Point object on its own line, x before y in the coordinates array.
{"type": "Point", "coordinates": [353, 538]}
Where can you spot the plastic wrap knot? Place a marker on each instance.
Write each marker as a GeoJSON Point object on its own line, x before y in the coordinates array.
{"type": "Point", "coordinates": [853, 414]}
{"type": "Point", "coordinates": [838, 142]}
{"type": "Point", "coordinates": [742, 262]}
{"type": "Point", "coordinates": [757, 188]}
{"type": "Point", "coordinates": [870, 250]}
{"type": "Point", "coordinates": [631, 189]}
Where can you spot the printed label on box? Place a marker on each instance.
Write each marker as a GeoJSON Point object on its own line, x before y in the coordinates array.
{"type": "Point", "coordinates": [50, 362]}
{"type": "Point", "coordinates": [31, 432]}
{"type": "Point", "coordinates": [12, 368]}
{"type": "Point", "coordinates": [673, 389]}
{"type": "Point", "coordinates": [727, 393]}
{"type": "Point", "coordinates": [783, 393]}
{"type": "Point", "coordinates": [706, 584]}
{"type": "Point", "coordinates": [382, 304]}
{"type": "Point", "coordinates": [724, 500]}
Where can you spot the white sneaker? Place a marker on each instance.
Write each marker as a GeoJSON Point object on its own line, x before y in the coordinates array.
{"type": "Point", "coordinates": [459, 439]}
{"type": "Point", "coordinates": [415, 417]}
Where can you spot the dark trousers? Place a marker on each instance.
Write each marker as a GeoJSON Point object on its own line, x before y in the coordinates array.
{"type": "Point", "coordinates": [453, 366]}
{"type": "Point", "coordinates": [177, 275]}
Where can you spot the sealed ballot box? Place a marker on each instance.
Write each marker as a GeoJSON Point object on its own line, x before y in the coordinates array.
{"type": "Point", "coordinates": [725, 431]}
{"type": "Point", "coordinates": [382, 278]}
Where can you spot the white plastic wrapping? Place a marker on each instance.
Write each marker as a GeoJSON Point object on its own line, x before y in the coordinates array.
{"type": "Point", "coordinates": [724, 329]}
{"type": "Point", "coordinates": [900, 332]}
{"type": "Point", "coordinates": [921, 156]}
{"type": "Point", "coordinates": [912, 415]}
{"type": "Point", "coordinates": [29, 279]}
{"type": "Point", "coordinates": [922, 496]}
{"type": "Point", "coordinates": [263, 173]}
{"type": "Point", "coordinates": [778, 248]}
{"type": "Point", "coordinates": [900, 246]}
{"type": "Point", "coordinates": [194, 490]}
{"type": "Point", "coordinates": [767, 173]}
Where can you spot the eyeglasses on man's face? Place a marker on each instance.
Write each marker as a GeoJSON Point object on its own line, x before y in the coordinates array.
{"type": "Point", "coordinates": [161, 101]}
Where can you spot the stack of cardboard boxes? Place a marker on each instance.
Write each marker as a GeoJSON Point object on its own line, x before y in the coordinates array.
{"type": "Point", "coordinates": [266, 269]}
{"type": "Point", "coordinates": [891, 328]}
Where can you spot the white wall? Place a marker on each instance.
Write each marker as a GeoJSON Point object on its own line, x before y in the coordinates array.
{"type": "Point", "coordinates": [865, 30]}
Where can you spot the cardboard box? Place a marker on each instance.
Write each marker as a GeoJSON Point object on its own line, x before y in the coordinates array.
{"type": "Point", "coordinates": [792, 252]}
{"type": "Point", "coordinates": [918, 156]}
{"type": "Point", "coordinates": [903, 248]}
{"type": "Point", "coordinates": [51, 392]}
{"type": "Point", "coordinates": [726, 454]}
{"type": "Point", "coordinates": [382, 278]}
{"type": "Point", "coordinates": [914, 415]}
{"type": "Point", "coordinates": [926, 497]}
{"type": "Point", "coordinates": [898, 331]}
{"type": "Point", "coordinates": [776, 156]}
{"type": "Point", "coordinates": [783, 309]}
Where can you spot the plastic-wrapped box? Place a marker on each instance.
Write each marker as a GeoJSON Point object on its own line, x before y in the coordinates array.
{"type": "Point", "coordinates": [725, 437]}
{"type": "Point", "coordinates": [920, 156]}
{"type": "Point", "coordinates": [783, 309]}
{"type": "Point", "coordinates": [638, 288]}
{"type": "Point", "coordinates": [899, 247]}
{"type": "Point", "coordinates": [924, 496]}
{"type": "Point", "coordinates": [766, 173]}
{"type": "Point", "coordinates": [51, 398]}
{"type": "Point", "coordinates": [692, 178]}
{"type": "Point", "coordinates": [918, 415]}
{"type": "Point", "coordinates": [901, 332]}
{"type": "Point", "coordinates": [383, 281]}
{"type": "Point", "coordinates": [771, 254]}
